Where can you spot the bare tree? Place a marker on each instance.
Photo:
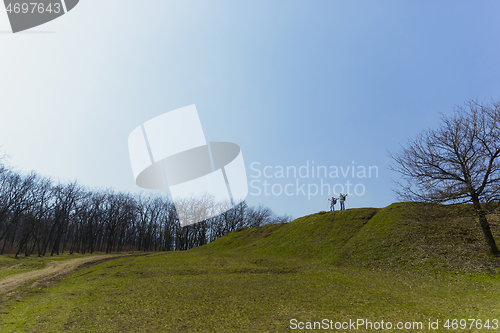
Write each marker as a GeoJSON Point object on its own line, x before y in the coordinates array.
{"type": "Point", "coordinates": [40, 204]}
{"type": "Point", "coordinates": [15, 200]}
{"type": "Point", "coordinates": [257, 216]}
{"type": "Point", "coordinates": [66, 197]}
{"type": "Point", "coordinates": [456, 163]}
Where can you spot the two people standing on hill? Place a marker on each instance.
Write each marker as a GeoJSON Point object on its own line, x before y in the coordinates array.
{"type": "Point", "coordinates": [333, 201]}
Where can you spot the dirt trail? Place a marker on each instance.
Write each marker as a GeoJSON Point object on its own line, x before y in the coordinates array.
{"type": "Point", "coordinates": [52, 270]}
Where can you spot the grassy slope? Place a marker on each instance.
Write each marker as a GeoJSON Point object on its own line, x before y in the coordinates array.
{"type": "Point", "coordinates": [340, 266]}
{"type": "Point", "coordinates": [402, 235]}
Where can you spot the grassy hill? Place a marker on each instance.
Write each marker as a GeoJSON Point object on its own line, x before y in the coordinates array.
{"type": "Point", "coordinates": [402, 235]}
{"type": "Point", "coordinates": [396, 264]}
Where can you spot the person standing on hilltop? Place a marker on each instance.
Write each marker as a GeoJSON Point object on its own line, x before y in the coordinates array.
{"type": "Point", "coordinates": [342, 199]}
{"type": "Point", "coordinates": [333, 201]}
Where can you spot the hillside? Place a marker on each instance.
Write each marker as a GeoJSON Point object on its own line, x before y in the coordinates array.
{"type": "Point", "coordinates": [402, 235]}
{"type": "Point", "coordinates": [378, 264]}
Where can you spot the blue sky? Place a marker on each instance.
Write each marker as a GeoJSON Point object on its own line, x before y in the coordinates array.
{"type": "Point", "coordinates": [291, 82]}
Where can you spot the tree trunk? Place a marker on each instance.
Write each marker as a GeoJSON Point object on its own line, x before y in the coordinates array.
{"type": "Point", "coordinates": [485, 226]}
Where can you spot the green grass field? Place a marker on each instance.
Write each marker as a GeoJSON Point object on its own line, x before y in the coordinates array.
{"type": "Point", "coordinates": [403, 263]}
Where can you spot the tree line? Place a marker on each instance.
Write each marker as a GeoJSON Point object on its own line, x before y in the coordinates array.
{"type": "Point", "coordinates": [40, 216]}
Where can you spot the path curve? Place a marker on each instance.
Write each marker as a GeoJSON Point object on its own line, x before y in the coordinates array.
{"type": "Point", "coordinates": [52, 270]}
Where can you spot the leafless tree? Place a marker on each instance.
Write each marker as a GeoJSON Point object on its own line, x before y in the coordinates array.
{"type": "Point", "coordinates": [457, 162]}
{"type": "Point", "coordinates": [66, 197]}
{"type": "Point", "coordinates": [37, 212]}
{"type": "Point", "coordinates": [257, 216]}
{"type": "Point", "coordinates": [15, 199]}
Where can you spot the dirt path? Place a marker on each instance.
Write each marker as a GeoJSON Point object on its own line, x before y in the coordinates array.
{"type": "Point", "coordinates": [52, 270]}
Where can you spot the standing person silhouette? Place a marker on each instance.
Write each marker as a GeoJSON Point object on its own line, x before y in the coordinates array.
{"type": "Point", "coordinates": [342, 199]}
{"type": "Point", "coordinates": [333, 201]}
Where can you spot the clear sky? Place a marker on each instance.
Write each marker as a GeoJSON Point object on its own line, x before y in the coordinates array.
{"type": "Point", "coordinates": [334, 83]}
